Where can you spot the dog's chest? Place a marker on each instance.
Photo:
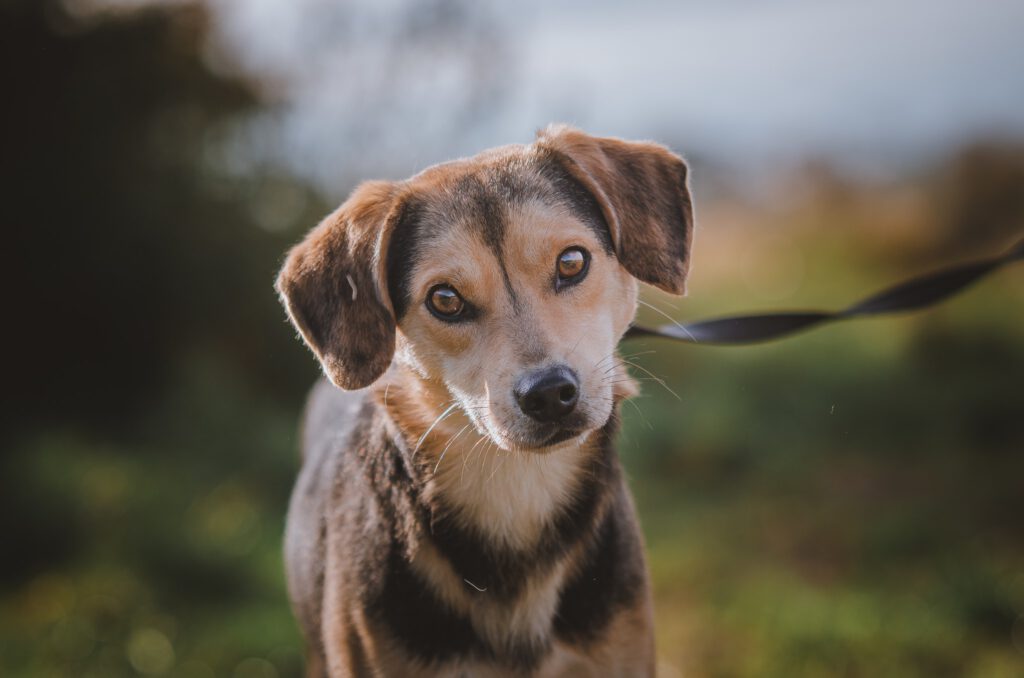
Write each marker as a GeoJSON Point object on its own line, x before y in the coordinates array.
{"type": "Point", "coordinates": [507, 502]}
{"type": "Point", "coordinates": [507, 497]}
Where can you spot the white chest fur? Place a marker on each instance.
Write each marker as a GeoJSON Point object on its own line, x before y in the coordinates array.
{"type": "Point", "coordinates": [507, 497]}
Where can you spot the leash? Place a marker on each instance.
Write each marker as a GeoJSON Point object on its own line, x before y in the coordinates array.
{"type": "Point", "coordinates": [914, 294]}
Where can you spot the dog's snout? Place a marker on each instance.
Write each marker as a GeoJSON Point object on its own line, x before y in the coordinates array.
{"type": "Point", "coordinates": [549, 394]}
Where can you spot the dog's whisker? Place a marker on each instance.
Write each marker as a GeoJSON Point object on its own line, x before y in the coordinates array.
{"type": "Point", "coordinates": [624, 358]}
{"type": "Point", "coordinates": [610, 372]}
{"type": "Point", "coordinates": [483, 455]}
{"type": "Point", "coordinates": [431, 427]}
{"type": "Point", "coordinates": [467, 455]}
{"type": "Point", "coordinates": [445, 450]}
{"type": "Point", "coordinates": [484, 451]}
{"type": "Point", "coordinates": [655, 378]}
{"type": "Point", "coordinates": [629, 379]}
{"type": "Point", "coordinates": [642, 416]}
{"type": "Point", "coordinates": [574, 346]}
{"type": "Point", "coordinates": [500, 463]}
{"type": "Point", "coordinates": [670, 319]}
{"type": "Point", "coordinates": [609, 368]}
{"type": "Point", "coordinates": [637, 354]}
{"type": "Point", "coordinates": [600, 362]}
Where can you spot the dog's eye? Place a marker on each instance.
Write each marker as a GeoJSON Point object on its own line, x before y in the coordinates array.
{"type": "Point", "coordinates": [572, 266]}
{"type": "Point", "coordinates": [444, 302]}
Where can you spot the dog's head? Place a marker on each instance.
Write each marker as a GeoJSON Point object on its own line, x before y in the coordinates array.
{"type": "Point", "coordinates": [506, 279]}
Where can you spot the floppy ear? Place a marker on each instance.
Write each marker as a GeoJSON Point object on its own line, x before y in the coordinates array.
{"type": "Point", "coordinates": [641, 188]}
{"type": "Point", "coordinates": [331, 287]}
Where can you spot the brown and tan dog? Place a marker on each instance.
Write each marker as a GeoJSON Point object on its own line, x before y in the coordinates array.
{"type": "Point", "coordinates": [461, 509]}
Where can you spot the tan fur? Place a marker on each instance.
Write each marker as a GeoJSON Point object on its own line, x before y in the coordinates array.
{"type": "Point", "coordinates": [445, 392]}
{"type": "Point", "coordinates": [617, 171]}
{"type": "Point", "coordinates": [479, 364]}
{"type": "Point", "coordinates": [626, 650]}
{"type": "Point", "coordinates": [508, 495]}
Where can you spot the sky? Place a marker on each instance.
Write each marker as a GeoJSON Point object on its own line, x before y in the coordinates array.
{"type": "Point", "coordinates": [386, 87]}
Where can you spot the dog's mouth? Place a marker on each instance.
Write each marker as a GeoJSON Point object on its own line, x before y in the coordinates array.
{"type": "Point", "coordinates": [539, 437]}
{"type": "Point", "coordinates": [548, 440]}
{"type": "Point", "coordinates": [561, 436]}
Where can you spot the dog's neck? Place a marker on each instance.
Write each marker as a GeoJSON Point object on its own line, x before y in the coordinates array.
{"type": "Point", "coordinates": [496, 529]}
{"type": "Point", "coordinates": [507, 497]}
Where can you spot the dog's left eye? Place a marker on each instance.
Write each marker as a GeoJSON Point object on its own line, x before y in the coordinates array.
{"type": "Point", "coordinates": [445, 303]}
{"type": "Point", "coordinates": [572, 266]}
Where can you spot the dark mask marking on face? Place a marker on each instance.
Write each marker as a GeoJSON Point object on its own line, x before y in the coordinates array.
{"type": "Point", "coordinates": [483, 201]}
{"type": "Point", "coordinates": [484, 209]}
{"type": "Point", "coordinates": [406, 241]}
{"type": "Point", "coordinates": [570, 192]}
{"type": "Point", "coordinates": [487, 198]}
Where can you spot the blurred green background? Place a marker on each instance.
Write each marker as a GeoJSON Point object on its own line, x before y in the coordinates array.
{"type": "Point", "coordinates": [849, 502]}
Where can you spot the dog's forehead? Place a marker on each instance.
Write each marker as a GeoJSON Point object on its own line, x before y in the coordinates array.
{"type": "Point", "coordinates": [479, 192]}
{"type": "Point", "coordinates": [480, 189]}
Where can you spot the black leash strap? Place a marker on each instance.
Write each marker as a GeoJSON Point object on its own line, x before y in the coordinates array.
{"type": "Point", "coordinates": [911, 295]}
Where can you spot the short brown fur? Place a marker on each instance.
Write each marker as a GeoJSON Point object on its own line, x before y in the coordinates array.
{"type": "Point", "coordinates": [441, 524]}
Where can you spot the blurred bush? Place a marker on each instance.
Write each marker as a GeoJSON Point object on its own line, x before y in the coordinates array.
{"type": "Point", "coordinates": [153, 385]}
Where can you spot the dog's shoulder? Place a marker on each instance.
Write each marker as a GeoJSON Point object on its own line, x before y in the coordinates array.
{"type": "Point", "coordinates": [335, 425]}
{"type": "Point", "coordinates": [330, 426]}
{"type": "Point", "coordinates": [330, 416]}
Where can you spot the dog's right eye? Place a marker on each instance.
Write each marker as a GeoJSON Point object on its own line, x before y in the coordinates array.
{"type": "Point", "coordinates": [444, 302]}
{"type": "Point", "coordinates": [571, 267]}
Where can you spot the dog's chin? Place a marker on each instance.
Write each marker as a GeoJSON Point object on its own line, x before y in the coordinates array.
{"type": "Point", "coordinates": [562, 436]}
{"type": "Point", "coordinates": [521, 434]}
{"type": "Point", "coordinates": [545, 439]}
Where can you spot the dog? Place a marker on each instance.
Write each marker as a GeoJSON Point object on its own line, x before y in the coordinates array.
{"type": "Point", "coordinates": [460, 510]}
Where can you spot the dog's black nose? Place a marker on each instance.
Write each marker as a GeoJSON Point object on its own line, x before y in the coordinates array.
{"type": "Point", "coordinates": [549, 394]}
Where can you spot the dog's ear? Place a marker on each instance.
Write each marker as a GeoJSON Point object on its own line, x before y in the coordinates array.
{"type": "Point", "coordinates": [642, 191]}
{"type": "Point", "coordinates": [331, 286]}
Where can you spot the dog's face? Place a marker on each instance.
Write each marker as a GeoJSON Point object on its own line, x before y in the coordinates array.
{"type": "Point", "coordinates": [506, 280]}
{"type": "Point", "coordinates": [516, 306]}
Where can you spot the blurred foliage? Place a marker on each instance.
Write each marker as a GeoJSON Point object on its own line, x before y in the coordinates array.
{"type": "Point", "coordinates": [847, 502]}
{"type": "Point", "coordinates": [153, 390]}
{"type": "Point", "coordinates": [122, 218]}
